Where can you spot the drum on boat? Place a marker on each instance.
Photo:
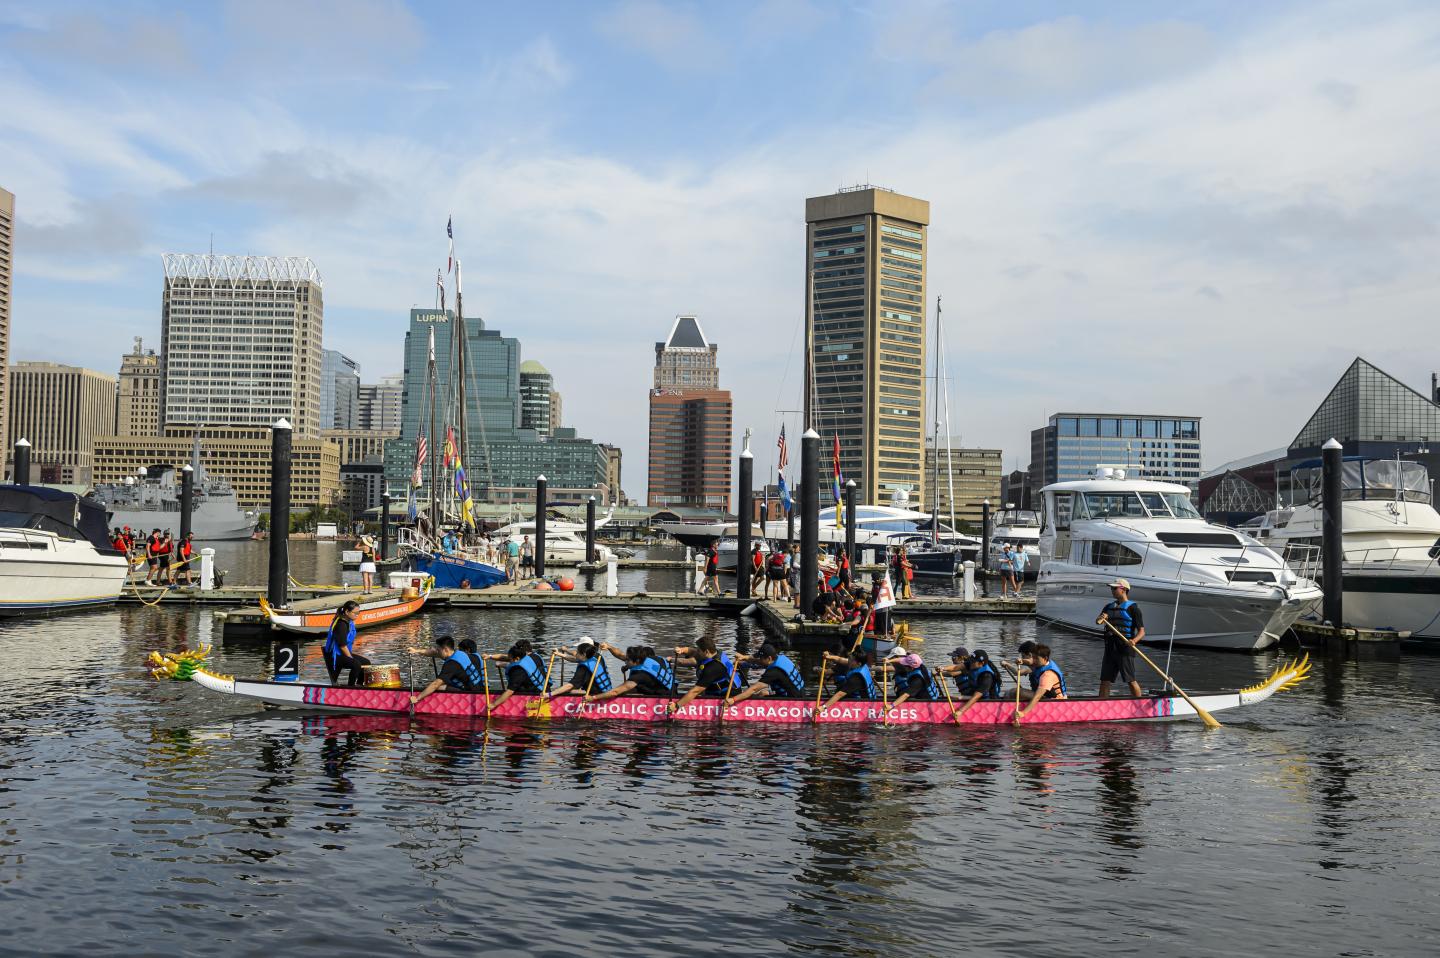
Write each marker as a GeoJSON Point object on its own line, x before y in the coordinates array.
{"type": "Point", "coordinates": [382, 677]}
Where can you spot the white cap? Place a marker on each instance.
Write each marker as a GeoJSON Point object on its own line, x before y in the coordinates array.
{"type": "Point", "coordinates": [584, 641]}
{"type": "Point", "coordinates": [897, 652]}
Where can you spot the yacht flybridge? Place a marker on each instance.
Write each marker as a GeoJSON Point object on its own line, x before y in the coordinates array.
{"type": "Point", "coordinates": [1201, 584]}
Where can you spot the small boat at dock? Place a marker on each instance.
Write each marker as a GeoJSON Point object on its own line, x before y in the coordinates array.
{"type": "Point", "coordinates": [472, 705]}
{"type": "Point", "coordinates": [313, 616]}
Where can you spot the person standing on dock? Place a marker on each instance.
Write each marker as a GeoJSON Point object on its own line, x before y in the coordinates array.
{"type": "Point", "coordinates": [1124, 616]}
{"type": "Point", "coordinates": [527, 556]}
{"type": "Point", "coordinates": [792, 574]}
{"type": "Point", "coordinates": [905, 573]}
{"type": "Point", "coordinates": [1007, 572]}
{"type": "Point", "coordinates": [185, 552]}
{"type": "Point", "coordinates": [367, 564]}
{"type": "Point", "coordinates": [775, 572]}
{"type": "Point", "coordinates": [757, 569]}
{"type": "Point", "coordinates": [339, 650]}
{"type": "Point", "coordinates": [512, 560]}
{"type": "Point", "coordinates": [712, 570]}
{"type": "Point", "coordinates": [152, 557]}
{"type": "Point", "coordinates": [1020, 560]}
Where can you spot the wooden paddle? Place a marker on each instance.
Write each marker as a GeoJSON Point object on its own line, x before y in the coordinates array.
{"type": "Point", "coordinates": [1205, 716]}
{"type": "Point", "coordinates": [1017, 688]}
{"type": "Point", "coordinates": [534, 708]}
{"type": "Point", "coordinates": [946, 686]}
{"type": "Point", "coordinates": [820, 689]}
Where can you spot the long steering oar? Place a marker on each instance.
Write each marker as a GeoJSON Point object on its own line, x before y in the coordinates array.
{"type": "Point", "coordinates": [1205, 716]}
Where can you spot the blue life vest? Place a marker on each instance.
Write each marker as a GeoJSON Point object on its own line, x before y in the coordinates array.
{"type": "Point", "coordinates": [784, 664]}
{"type": "Point", "coordinates": [1047, 667]}
{"type": "Point", "coordinates": [660, 669]}
{"type": "Point", "coordinates": [534, 671]}
{"type": "Point", "coordinates": [864, 672]}
{"type": "Point", "coordinates": [474, 676]}
{"type": "Point", "coordinates": [1118, 614]}
{"type": "Point", "coordinates": [602, 677]}
{"type": "Point", "coordinates": [333, 649]}
{"type": "Point", "coordinates": [965, 683]}
{"type": "Point", "coordinates": [930, 692]}
{"type": "Point", "coordinates": [994, 687]}
{"type": "Point", "coordinates": [732, 680]}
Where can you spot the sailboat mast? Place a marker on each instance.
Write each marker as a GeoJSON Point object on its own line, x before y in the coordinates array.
{"type": "Point", "coordinates": [935, 469]}
{"type": "Point", "coordinates": [459, 376]}
{"type": "Point", "coordinates": [432, 377]}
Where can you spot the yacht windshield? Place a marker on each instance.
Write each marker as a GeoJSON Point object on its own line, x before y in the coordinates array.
{"type": "Point", "coordinates": [1180, 505]}
{"type": "Point", "coordinates": [1156, 504]}
{"type": "Point", "coordinates": [1112, 505]}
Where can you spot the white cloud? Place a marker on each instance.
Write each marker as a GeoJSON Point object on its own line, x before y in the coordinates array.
{"type": "Point", "coordinates": [671, 35]}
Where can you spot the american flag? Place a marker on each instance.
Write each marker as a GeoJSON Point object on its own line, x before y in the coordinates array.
{"type": "Point", "coordinates": [422, 449]}
{"type": "Point", "coordinates": [784, 454]}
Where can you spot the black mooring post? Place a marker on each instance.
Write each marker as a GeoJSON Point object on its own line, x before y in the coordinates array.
{"type": "Point", "coordinates": [277, 586]}
{"type": "Point", "coordinates": [22, 462]}
{"type": "Point", "coordinates": [809, 518]}
{"type": "Point", "coordinates": [540, 485]}
{"type": "Point", "coordinates": [384, 526]}
{"type": "Point", "coordinates": [745, 513]}
{"type": "Point", "coordinates": [850, 525]}
{"type": "Point", "coordinates": [1332, 553]}
{"type": "Point", "coordinates": [590, 529]}
{"type": "Point", "coordinates": [187, 499]}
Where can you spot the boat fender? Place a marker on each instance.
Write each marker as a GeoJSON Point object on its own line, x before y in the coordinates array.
{"type": "Point", "coordinates": [750, 609]}
{"type": "Point", "coordinates": [565, 584]}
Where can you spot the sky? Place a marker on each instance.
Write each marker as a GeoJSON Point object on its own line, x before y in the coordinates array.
{"type": "Point", "coordinates": [1205, 209]}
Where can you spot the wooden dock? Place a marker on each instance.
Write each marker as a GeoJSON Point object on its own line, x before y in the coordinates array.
{"type": "Point", "coordinates": [1359, 644]}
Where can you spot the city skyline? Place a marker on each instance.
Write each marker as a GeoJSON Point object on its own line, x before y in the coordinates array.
{"type": "Point", "coordinates": [1094, 193]}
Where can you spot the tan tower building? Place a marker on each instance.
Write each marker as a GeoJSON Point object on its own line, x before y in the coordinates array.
{"type": "Point", "coordinates": [865, 255]}
{"type": "Point", "coordinates": [137, 409]}
{"type": "Point", "coordinates": [691, 423]}
{"type": "Point", "coordinates": [60, 410]}
{"type": "Point", "coordinates": [7, 239]}
{"type": "Point", "coordinates": [241, 341]}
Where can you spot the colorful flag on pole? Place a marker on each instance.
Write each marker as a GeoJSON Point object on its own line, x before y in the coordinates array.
{"type": "Point", "coordinates": [450, 232]}
{"type": "Point", "coordinates": [784, 494]}
{"type": "Point", "coordinates": [412, 508]}
{"type": "Point", "coordinates": [837, 481]}
{"type": "Point", "coordinates": [452, 454]}
{"type": "Point", "coordinates": [885, 596]}
{"type": "Point", "coordinates": [784, 453]}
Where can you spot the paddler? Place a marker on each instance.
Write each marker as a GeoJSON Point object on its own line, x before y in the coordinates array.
{"type": "Point", "coordinates": [461, 672]}
{"type": "Point", "coordinates": [716, 674]}
{"type": "Point", "coordinates": [1124, 615]}
{"type": "Point", "coordinates": [1046, 680]}
{"type": "Point", "coordinates": [339, 650]}
{"type": "Point", "coordinates": [590, 675]}
{"type": "Point", "coordinates": [855, 682]}
{"type": "Point", "coordinates": [524, 672]}
{"type": "Point", "coordinates": [913, 680]}
{"type": "Point", "coordinates": [978, 679]}
{"type": "Point", "coordinates": [779, 676]}
{"type": "Point", "coordinates": [645, 673]}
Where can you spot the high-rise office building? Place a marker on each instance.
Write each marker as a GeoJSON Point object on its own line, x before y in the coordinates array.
{"type": "Point", "coordinates": [974, 476]}
{"type": "Point", "coordinates": [556, 407]}
{"type": "Point", "coordinates": [240, 338]}
{"type": "Point", "coordinates": [137, 403]}
{"type": "Point", "coordinates": [865, 254]}
{"type": "Point", "coordinates": [379, 404]}
{"type": "Point", "coordinates": [7, 240]}
{"type": "Point", "coordinates": [1071, 445]}
{"type": "Point", "coordinates": [691, 423]}
{"type": "Point", "coordinates": [339, 390]}
{"type": "Point", "coordinates": [612, 475]}
{"type": "Point", "coordinates": [537, 390]}
{"type": "Point", "coordinates": [60, 410]}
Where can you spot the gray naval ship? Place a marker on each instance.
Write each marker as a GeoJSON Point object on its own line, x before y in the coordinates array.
{"type": "Point", "coordinates": [151, 500]}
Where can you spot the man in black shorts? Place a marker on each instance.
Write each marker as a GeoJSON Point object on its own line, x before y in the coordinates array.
{"type": "Point", "coordinates": [1119, 659]}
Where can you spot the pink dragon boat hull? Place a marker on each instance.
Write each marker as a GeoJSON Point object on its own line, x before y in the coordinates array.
{"type": "Point", "coordinates": [772, 711]}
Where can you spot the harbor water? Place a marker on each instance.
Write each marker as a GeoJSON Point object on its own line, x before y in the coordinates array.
{"type": "Point", "coordinates": [143, 818]}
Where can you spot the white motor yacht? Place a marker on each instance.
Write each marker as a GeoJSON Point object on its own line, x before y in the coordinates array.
{"type": "Point", "coordinates": [563, 546]}
{"type": "Point", "coordinates": [1391, 540]}
{"type": "Point", "coordinates": [1197, 583]}
{"type": "Point", "coordinates": [1020, 530]}
{"type": "Point", "coordinates": [55, 553]}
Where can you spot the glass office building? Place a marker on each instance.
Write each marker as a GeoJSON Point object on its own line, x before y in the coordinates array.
{"type": "Point", "coordinates": [1071, 445]}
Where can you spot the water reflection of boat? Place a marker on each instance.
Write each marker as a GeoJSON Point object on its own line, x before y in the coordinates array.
{"type": "Point", "coordinates": [769, 711]}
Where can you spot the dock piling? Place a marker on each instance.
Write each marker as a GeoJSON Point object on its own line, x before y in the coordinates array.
{"type": "Point", "coordinates": [540, 486]}
{"type": "Point", "coordinates": [1331, 542]}
{"type": "Point", "coordinates": [850, 524]}
{"type": "Point", "coordinates": [590, 529]}
{"type": "Point", "coordinates": [612, 576]}
{"type": "Point", "coordinates": [187, 498]}
{"type": "Point", "coordinates": [809, 518]}
{"type": "Point", "coordinates": [969, 580]}
{"type": "Point", "coordinates": [22, 462]}
{"type": "Point", "coordinates": [278, 578]}
{"type": "Point", "coordinates": [207, 570]}
{"type": "Point", "coordinates": [984, 544]}
{"type": "Point", "coordinates": [745, 508]}
{"type": "Point", "coordinates": [384, 526]}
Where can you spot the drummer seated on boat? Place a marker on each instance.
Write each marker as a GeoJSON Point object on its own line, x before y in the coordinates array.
{"type": "Point", "coordinates": [461, 671]}
{"type": "Point", "coordinates": [590, 674]}
{"type": "Point", "coordinates": [339, 650]}
{"type": "Point", "coordinates": [716, 674]}
{"type": "Point", "coordinates": [913, 680]}
{"type": "Point", "coordinates": [645, 673]}
{"type": "Point", "coordinates": [779, 678]}
{"type": "Point", "coordinates": [854, 681]}
{"type": "Point", "coordinates": [524, 672]}
{"type": "Point", "coordinates": [1046, 680]}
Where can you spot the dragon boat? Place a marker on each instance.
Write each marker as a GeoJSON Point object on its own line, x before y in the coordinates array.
{"type": "Point", "coordinates": [1151, 708]}
{"type": "Point", "coordinates": [313, 616]}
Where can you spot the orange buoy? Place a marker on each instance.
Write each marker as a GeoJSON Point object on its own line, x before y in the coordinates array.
{"type": "Point", "coordinates": [565, 584]}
